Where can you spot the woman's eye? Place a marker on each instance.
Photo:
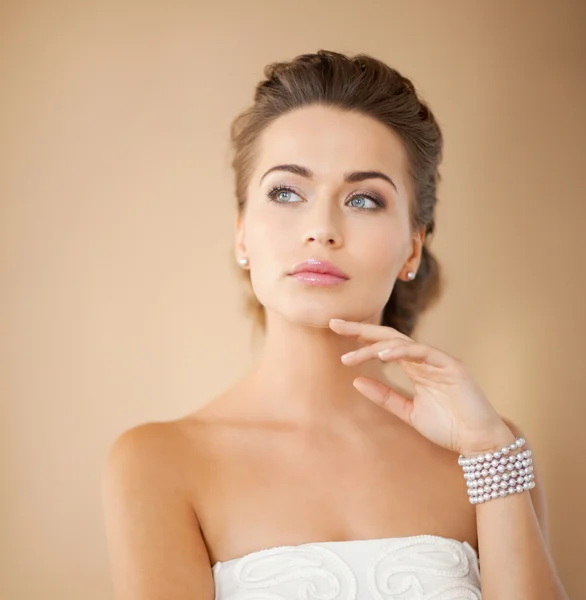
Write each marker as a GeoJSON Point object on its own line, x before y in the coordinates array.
{"type": "Point", "coordinates": [365, 202]}
{"type": "Point", "coordinates": [282, 195]}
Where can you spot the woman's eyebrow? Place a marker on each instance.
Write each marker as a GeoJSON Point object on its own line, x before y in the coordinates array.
{"type": "Point", "coordinates": [351, 177]}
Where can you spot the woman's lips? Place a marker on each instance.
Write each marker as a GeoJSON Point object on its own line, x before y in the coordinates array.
{"type": "Point", "coordinates": [318, 272]}
{"type": "Point", "coordinates": [322, 279]}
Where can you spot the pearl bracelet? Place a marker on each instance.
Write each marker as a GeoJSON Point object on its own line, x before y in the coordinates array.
{"type": "Point", "coordinates": [498, 474]}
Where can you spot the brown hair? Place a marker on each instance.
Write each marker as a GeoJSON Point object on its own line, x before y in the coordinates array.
{"type": "Point", "coordinates": [369, 86]}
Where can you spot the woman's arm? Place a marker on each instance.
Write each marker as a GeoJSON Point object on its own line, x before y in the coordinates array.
{"type": "Point", "coordinates": [515, 561]}
{"type": "Point", "coordinates": [154, 540]}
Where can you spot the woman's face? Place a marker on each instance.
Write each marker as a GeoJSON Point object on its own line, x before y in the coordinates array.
{"type": "Point", "coordinates": [359, 224]}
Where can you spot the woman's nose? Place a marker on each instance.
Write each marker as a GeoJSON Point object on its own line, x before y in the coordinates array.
{"type": "Point", "coordinates": [323, 226]}
{"type": "Point", "coordinates": [325, 236]}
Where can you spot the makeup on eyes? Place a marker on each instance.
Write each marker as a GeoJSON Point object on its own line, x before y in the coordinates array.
{"type": "Point", "coordinates": [278, 188]}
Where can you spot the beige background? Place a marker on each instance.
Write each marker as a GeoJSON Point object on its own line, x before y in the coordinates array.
{"type": "Point", "coordinates": [119, 299]}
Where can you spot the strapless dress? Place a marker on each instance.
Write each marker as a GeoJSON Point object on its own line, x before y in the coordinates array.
{"type": "Point", "coordinates": [422, 567]}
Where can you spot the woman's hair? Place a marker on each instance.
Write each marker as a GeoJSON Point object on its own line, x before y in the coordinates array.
{"type": "Point", "coordinates": [366, 85]}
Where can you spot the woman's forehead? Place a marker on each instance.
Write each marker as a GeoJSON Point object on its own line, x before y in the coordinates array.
{"type": "Point", "coordinates": [330, 142]}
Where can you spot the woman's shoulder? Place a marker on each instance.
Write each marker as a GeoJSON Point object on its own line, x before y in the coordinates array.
{"type": "Point", "coordinates": [162, 448]}
{"type": "Point", "coordinates": [149, 451]}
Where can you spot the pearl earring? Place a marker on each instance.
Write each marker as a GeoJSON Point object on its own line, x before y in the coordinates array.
{"type": "Point", "coordinates": [243, 262]}
{"type": "Point", "coordinates": [411, 275]}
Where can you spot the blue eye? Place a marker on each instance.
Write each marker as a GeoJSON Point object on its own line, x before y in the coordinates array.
{"type": "Point", "coordinates": [363, 199]}
{"type": "Point", "coordinates": [281, 194]}
{"type": "Point", "coordinates": [276, 194]}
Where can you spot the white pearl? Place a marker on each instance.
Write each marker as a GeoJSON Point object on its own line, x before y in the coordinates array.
{"type": "Point", "coordinates": [498, 474]}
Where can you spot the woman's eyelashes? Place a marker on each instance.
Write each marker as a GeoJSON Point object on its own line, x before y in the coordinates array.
{"type": "Point", "coordinates": [364, 201]}
{"type": "Point", "coordinates": [276, 194]}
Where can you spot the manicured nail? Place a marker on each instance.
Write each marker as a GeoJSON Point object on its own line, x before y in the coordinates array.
{"type": "Point", "coordinates": [337, 321]}
{"type": "Point", "coordinates": [385, 353]}
{"type": "Point", "coordinates": [348, 355]}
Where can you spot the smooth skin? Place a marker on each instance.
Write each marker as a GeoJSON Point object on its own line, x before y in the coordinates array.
{"type": "Point", "coordinates": [307, 446]}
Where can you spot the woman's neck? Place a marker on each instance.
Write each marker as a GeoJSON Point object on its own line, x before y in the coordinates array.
{"type": "Point", "coordinates": [299, 374]}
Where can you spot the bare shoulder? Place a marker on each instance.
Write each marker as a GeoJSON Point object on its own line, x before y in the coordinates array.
{"type": "Point", "coordinates": [155, 543]}
{"type": "Point", "coordinates": [148, 445]}
{"type": "Point", "coordinates": [538, 496]}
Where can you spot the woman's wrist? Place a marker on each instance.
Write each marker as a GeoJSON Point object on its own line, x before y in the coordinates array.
{"type": "Point", "coordinates": [488, 441]}
{"type": "Point", "coordinates": [499, 472]}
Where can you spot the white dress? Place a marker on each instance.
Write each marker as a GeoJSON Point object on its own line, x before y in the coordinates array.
{"type": "Point", "coordinates": [418, 567]}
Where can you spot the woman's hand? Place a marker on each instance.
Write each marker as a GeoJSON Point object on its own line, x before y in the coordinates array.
{"type": "Point", "coordinates": [448, 408]}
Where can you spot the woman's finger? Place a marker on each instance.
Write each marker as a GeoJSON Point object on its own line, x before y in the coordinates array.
{"type": "Point", "coordinates": [371, 351]}
{"type": "Point", "coordinates": [367, 331]}
{"type": "Point", "coordinates": [399, 349]}
{"type": "Point", "coordinates": [419, 353]}
{"type": "Point", "coordinates": [386, 397]}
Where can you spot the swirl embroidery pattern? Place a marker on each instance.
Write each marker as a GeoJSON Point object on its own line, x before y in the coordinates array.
{"type": "Point", "coordinates": [423, 570]}
{"type": "Point", "coordinates": [412, 568]}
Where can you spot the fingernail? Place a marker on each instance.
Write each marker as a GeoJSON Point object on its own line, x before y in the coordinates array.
{"type": "Point", "coordinates": [385, 353]}
{"type": "Point", "coordinates": [347, 355]}
{"type": "Point", "coordinates": [336, 320]}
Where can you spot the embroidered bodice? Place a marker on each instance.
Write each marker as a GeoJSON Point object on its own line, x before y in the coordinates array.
{"type": "Point", "coordinates": [404, 568]}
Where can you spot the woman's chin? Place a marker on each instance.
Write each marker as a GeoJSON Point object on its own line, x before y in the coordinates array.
{"type": "Point", "coordinates": [321, 318]}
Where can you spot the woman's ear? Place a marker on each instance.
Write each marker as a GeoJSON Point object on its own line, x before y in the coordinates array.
{"type": "Point", "coordinates": [240, 246]}
{"type": "Point", "coordinates": [417, 242]}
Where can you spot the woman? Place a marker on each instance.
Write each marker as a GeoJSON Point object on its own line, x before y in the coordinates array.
{"type": "Point", "coordinates": [311, 477]}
